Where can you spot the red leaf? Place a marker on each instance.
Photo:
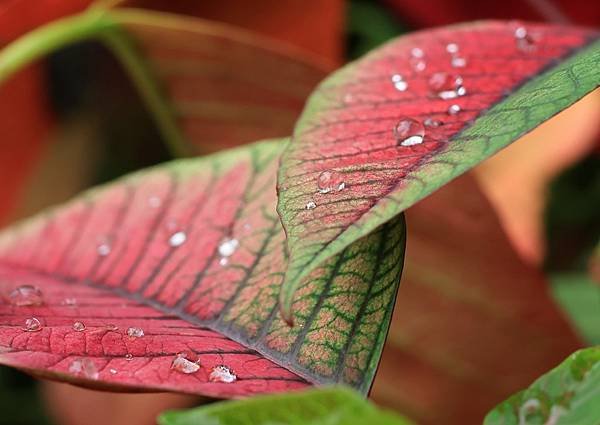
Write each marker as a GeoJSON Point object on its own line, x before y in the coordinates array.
{"type": "Point", "coordinates": [199, 240]}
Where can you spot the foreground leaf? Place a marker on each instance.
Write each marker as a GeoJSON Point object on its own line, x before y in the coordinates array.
{"type": "Point", "coordinates": [199, 240]}
{"type": "Point", "coordinates": [473, 323]}
{"type": "Point", "coordinates": [407, 118]}
{"type": "Point", "coordinates": [331, 406]}
{"type": "Point", "coordinates": [568, 394]}
{"type": "Point", "coordinates": [208, 85]}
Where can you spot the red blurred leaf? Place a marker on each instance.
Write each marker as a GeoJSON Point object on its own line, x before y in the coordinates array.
{"type": "Point", "coordinates": [409, 117]}
{"type": "Point", "coordinates": [198, 240]}
{"type": "Point", "coordinates": [472, 323]}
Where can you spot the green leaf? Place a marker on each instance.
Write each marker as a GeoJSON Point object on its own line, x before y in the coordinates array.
{"type": "Point", "coordinates": [567, 395]}
{"type": "Point", "coordinates": [328, 406]}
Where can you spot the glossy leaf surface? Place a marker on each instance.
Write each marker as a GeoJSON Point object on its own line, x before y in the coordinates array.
{"type": "Point", "coordinates": [331, 406]}
{"type": "Point", "coordinates": [412, 115]}
{"type": "Point", "coordinates": [473, 323]}
{"type": "Point", "coordinates": [568, 394]}
{"type": "Point", "coordinates": [200, 240]}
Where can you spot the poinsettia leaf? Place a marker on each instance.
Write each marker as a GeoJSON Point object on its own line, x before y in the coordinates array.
{"type": "Point", "coordinates": [200, 240]}
{"type": "Point", "coordinates": [331, 406]}
{"type": "Point", "coordinates": [568, 394]}
{"type": "Point", "coordinates": [208, 85]}
{"type": "Point", "coordinates": [471, 316]}
{"type": "Point", "coordinates": [387, 130]}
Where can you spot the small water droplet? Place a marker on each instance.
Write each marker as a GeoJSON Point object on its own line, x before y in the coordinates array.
{"type": "Point", "coordinates": [78, 327]}
{"type": "Point", "coordinates": [310, 205]}
{"type": "Point", "coordinates": [69, 301]}
{"type": "Point", "coordinates": [525, 41]}
{"type": "Point", "coordinates": [417, 64]}
{"type": "Point", "coordinates": [409, 132]}
{"type": "Point", "coordinates": [33, 324]}
{"type": "Point", "coordinates": [85, 367]}
{"type": "Point", "coordinates": [223, 261]}
{"type": "Point", "coordinates": [228, 247]}
{"type": "Point", "coordinates": [433, 123]}
{"type": "Point", "coordinates": [417, 52]}
{"type": "Point", "coordinates": [135, 332]}
{"type": "Point", "coordinates": [26, 295]}
{"type": "Point", "coordinates": [329, 181]}
{"type": "Point", "coordinates": [113, 371]}
{"type": "Point", "coordinates": [453, 109]}
{"type": "Point", "coordinates": [452, 48]}
{"type": "Point", "coordinates": [154, 202]}
{"type": "Point", "coordinates": [129, 357]}
{"type": "Point", "coordinates": [399, 82]}
{"type": "Point", "coordinates": [458, 62]}
{"type": "Point", "coordinates": [103, 249]}
{"type": "Point", "coordinates": [183, 365]}
{"type": "Point", "coordinates": [223, 374]}
{"type": "Point", "coordinates": [177, 239]}
{"type": "Point", "coordinates": [446, 86]}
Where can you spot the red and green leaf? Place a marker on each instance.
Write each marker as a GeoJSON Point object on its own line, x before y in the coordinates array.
{"type": "Point", "coordinates": [471, 317]}
{"type": "Point", "coordinates": [197, 240]}
{"type": "Point", "coordinates": [383, 127]}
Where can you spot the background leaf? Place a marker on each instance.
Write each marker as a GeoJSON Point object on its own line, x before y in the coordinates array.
{"type": "Point", "coordinates": [567, 394]}
{"type": "Point", "coordinates": [200, 240]}
{"type": "Point", "coordinates": [335, 405]}
{"type": "Point", "coordinates": [394, 127]}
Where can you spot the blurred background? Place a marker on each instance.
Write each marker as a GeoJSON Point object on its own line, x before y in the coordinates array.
{"type": "Point", "coordinates": [75, 120]}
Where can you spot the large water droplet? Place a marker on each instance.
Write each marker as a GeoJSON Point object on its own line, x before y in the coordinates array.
{"type": "Point", "coordinates": [183, 365]}
{"type": "Point", "coordinates": [399, 82]}
{"type": "Point", "coordinates": [453, 109]}
{"type": "Point", "coordinates": [78, 327]}
{"type": "Point", "coordinates": [409, 132]}
{"type": "Point", "coordinates": [85, 367]}
{"type": "Point", "coordinates": [33, 324]}
{"type": "Point", "coordinates": [26, 295]}
{"type": "Point", "coordinates": [330, 181]}
{"type": "Point", "coordinates": [177, 239]}
{"type": "Point", "coordinates": [228, 247]}
{"type": "Point", "coordinates": [135, 332]}
{"type": "Point", "coordinates": [223, 374]}
{"type": "Point", "coordinates": [310, 205]}
{"type": "Point", "coordinates": [446, 86]}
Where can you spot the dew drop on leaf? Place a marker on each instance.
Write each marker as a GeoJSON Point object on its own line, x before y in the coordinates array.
{"type": "Point", "coordinates": [84, 367]}
{"type": "Point", "coordinates": [452, 48]}
{"type": "Point", "coordinates": [33, 324]}
{"type": "Point", "coordinates": [26, 295]}
{"type": "Point", "coordinates": [330, 181]}
{"type": "Point", "coordinates": [223, 374]}
{"type": "Point", "coordinates": [432, 123]}
{"type": "Point", "coordinates": [409, 132]}
{"type": "Point", "coordinates": [177, 239]}
{"type": "Point", "coordinates": [417, 64]}
{"type": "Point", "coordinates": [129, 357]}
{"type": "Point", "coordinates": [183, 365]}
{"type": "Point", "coordinates": [399, 82]}
{"type": "Point", "coordinates": [113, 371]}
{"type": "Point", "coordinates": [458, 62]}
{"type": "Point", "coordinates": [69, 301]}
{"type": "Point", "coordinates": [525, 41]}
{"type": "Point", "coordinates": [310, 205]}
{"type": "Point", "coordinates": [417, 52]}
{"type": "Point", "coordinates": [223, 261]}
{"type": "Point", "coordinates": [228, 247]}
{"type": "Point", "coordinates": [446, 86]}
{"type": "Point", "coordinates": [78, 327]}
{"type": "Point", "coordinates": [453, 109]}
{"type": "Point", "coordinates": [135, 332]}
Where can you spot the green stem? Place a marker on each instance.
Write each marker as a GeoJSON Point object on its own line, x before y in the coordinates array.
{"type": "Point", "coordinates": [95, 24]}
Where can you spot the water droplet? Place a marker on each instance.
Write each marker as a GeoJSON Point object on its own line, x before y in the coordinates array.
{"type": "Point", "coordinates": [433, 123]}
{"type": "Point", "coordinates": [417, 52]}
{"type": "Point", "coordinates": [26, 295]}
{"type": "Point", "coordinates": [453, 109]}
{"type": "Point", "coordinates": [78, 326]}
{"type": "Point", "coordinates": [417, 64]}
{"type": "Point", "coordinates": [452, 48]}
{"type": "Point", "coordinates": [135, 332]}
{"type": "Point", "coordinates": [177, 239]}
{"type": "Point", "coordinates": [223, 374]}
{"type": "Point", "coordinates": [409, 132]}
{"type": "Point", "coordinates": [525, 41]}
{"type": "Point", "coordinates": [103, 249]}
{"type": "Point", "coordinates": [458, 62]}
{"type": "Point", "coordinates": [399, 82]}
{"type": "Point", "coordinates": [113, 371]}
{"type": "Point", "coordinates": [129, 357]}
{"type": "Point", "coordinates": [228, 247]}
{"type": "Point", "coordinates": [69, 301]}
{"type": "Point", "coordinates": [223, 261]}
{"type": "Point", "coordinates": [33, 324]}
{"type": "Point", "coordinates": [183, 365]}
{"type": "Point", "coordinates": [329, 181]}
{"type": "Point", "coordinates": [446, 86]}
{"type": "Point", "coordinates": [85, 367]}
{"type": "Point", "coordinates": [154, 202]}
{"type": "Point", "coordinates": [310, 205]}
